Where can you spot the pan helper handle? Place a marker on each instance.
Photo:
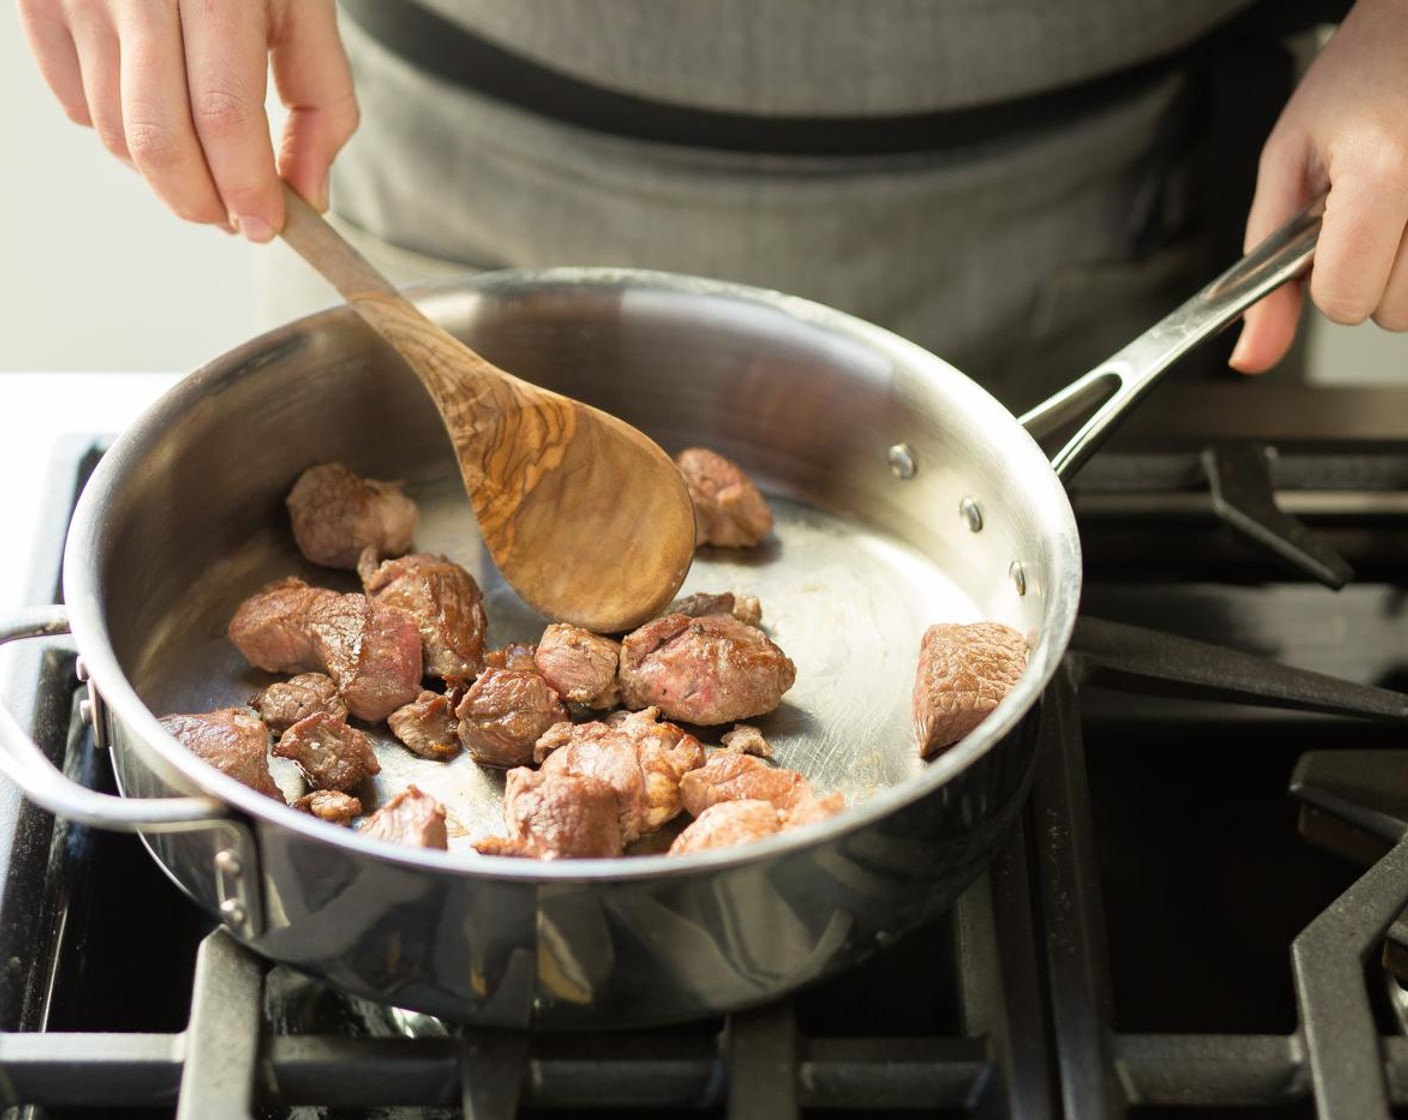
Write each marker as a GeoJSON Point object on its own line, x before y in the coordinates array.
{"type": "Point", "coordinates": [24, 763]}
{"type": "Point", "coordinates": [1116, 385]}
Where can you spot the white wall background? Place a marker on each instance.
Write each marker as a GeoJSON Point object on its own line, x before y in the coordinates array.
{"type": "Point", "coordinates": [98, 276]}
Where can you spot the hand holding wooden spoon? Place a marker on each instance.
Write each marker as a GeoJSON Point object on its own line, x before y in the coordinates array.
{"type": "Point", "coordinates": [587, 519]}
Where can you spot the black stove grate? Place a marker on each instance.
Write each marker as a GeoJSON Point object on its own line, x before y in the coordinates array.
{"type": "Point", "coordinates": [1044, 993]}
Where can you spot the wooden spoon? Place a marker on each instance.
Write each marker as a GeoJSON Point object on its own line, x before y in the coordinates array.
{"type": "Point", "coordinates": [587, 519]}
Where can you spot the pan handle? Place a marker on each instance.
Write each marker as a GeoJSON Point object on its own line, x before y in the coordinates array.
{"type": "Point", "coordinates": [1116, 385]}
{"type": "Point", "coordinates": [24, 763]}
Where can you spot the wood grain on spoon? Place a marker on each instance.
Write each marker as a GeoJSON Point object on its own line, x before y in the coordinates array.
{"type": "Point", "coordinates": [587, 519]}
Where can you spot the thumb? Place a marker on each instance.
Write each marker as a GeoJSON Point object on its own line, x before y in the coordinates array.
{"type": "Point", "coordinates": [315, 83]}
{"type": "Point", "coordinates": [1268, 330]}
{"type": "Point", "coordinates": [1282, 189]}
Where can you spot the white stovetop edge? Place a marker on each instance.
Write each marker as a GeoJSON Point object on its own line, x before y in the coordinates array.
{"type": "Point", "coordinates": [36, 411]}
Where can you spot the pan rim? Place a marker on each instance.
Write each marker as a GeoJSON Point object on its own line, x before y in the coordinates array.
{"type": "Point", "coordinates": [83, 580]}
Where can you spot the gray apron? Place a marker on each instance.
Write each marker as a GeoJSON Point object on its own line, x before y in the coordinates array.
{"type": "Point", "coordinates": [1022, 259]}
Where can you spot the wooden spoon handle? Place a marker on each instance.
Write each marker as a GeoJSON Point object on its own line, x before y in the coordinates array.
{"type": "Point", "coordinates": [330, 253]}
{"type": "Point", "coordinates": [439, 359]}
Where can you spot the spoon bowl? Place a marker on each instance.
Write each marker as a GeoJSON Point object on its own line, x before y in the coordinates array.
{"type": "Point", "coordinates": [587, 518]}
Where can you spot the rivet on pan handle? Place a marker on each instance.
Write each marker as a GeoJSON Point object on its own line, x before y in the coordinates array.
{"type": "Point", "coordinates": [22, 761]}
{"type": "Point", "coordinates": [1116, 385]}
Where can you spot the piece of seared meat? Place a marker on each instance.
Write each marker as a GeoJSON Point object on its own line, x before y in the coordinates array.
{"type": "Point", "coordinates": [965, 669]}
{"type": "Point", "coordinates": [728, 509]}
{"type": "Point", "coordinates": [445, 602]}
{"type": "Point", "coordinates": [745, 739]}
{"type": "Point", "coordinates": [562, 816]}
{"type": "Point", "coordinates": [505, 846]}
{"type": "Point", "coordinates": [271, 627]}
{"type": "Point", "coordinates": [641, 759]}
{"type": "Point", "coordinates": [729, 776]}
{"type": "Point", "coordinates": [515, 655]}
{"type": "Point", "coordinates": [233, 740]}
{"type": "Point", "coordinates": [331, 754]}
{"type": "Point", "coordinates": [372, 651]}
{"type": "Point", "coordinates": [745, 608]}
{"type": "Point", "coordinates": [706, 670]}
{"type": "Point", "coordinates": [580, 666]}
{"type": "Point", "coordinates": [503, 714]}
{"type": "Point", "coordinates": [412, 818]}
{"type": "Point", "coordinates": [815, 809]}
{"type": "Point", "coordinates": [336, 514]}
{"type": "Point", "coordinates": [456, 689]}
{"type": "Point", "coordinates": [283, 704]}
{"type": "Point", "coordinates": [727, 825]}
{"type": "Point", "coordinates": [741, 777]}
{"type": "Point", "coordinates": [427, 726]}
{"type": "Point", "coordinates": [330, 805]}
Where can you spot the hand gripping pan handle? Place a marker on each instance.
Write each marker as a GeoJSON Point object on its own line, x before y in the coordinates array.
{"type": "Point", "coordinates": [1112, 388]}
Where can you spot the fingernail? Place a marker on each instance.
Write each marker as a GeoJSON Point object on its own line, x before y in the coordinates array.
{"type": "Point", "coordinates": [255, 229]}
{"type": "Point", "coordinates": [1239, 352]}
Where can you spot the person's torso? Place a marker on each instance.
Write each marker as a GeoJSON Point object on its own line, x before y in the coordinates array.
{"type": "Point", "coordinates": [837, 57]}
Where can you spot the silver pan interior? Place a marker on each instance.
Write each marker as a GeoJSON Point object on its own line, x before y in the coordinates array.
{"type": "Point", "coordinates": [185, 517]}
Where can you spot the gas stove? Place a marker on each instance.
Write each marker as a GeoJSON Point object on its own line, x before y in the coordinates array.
{"type": "Point", "coordinates": [1198, 914]}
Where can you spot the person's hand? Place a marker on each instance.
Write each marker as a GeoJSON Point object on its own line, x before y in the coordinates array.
{"type": "Point", "coordinates": [1345, 128]}
{"type": "Point", "coordinates": [176, 89]}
